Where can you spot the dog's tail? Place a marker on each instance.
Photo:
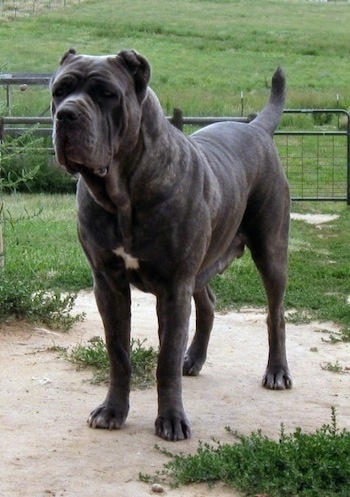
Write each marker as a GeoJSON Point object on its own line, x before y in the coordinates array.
{"type": "Point", "coordinates": [270, 116]}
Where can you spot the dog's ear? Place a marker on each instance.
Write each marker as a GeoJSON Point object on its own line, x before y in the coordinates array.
{"type": "Point", "coordinates": [67, 55]}
{"type": "Point", "coordinates": [139, 68]}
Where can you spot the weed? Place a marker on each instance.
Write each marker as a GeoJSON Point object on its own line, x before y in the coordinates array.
{"type": "Point", "coordinates": [333, 368]}
{"type": "Point", "coordinates": [20, 299]}
{"type": "Point", "coordinates": [28, 166]}
{"type": "Point", "coordinates": [343, 335]}
{"type": "Point", "coordinates": [298, 317]}
{"type": "Point", "coordinates": [143, 361]}
{"type": "Point", "coordinates": [300, 464]}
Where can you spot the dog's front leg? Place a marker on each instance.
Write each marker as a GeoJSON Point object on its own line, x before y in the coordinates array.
{"type": "Point", "coordinates": [173, 309]}
{"type": "Point", "coordinates": [113, 301]}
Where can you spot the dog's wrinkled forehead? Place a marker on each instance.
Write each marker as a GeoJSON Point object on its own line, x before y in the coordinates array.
{"type": "Point", "coordinates": [85, 67]}
{"type": "Point", "coordinates": [121, 69]}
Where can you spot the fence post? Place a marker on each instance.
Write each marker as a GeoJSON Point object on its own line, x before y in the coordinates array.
{"type": "Point", "coordinates": [2, 129]}
{"type": "Point", "coordinates": [177, 119]}
{"type": "Point", "coordinates": [8, 98]}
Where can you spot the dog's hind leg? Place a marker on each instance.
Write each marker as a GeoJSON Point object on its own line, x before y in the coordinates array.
{"type": "Point", "coordinates": [196, 354]}
{"type": "Point", "coordinates": [270, 256]}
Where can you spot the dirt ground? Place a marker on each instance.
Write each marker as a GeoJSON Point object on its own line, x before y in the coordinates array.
{"type": "Point", "coordinates": [48, 450]}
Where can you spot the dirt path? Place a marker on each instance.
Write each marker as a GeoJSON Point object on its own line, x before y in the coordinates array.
{"type": "Point", "coordinates": [48, 450]}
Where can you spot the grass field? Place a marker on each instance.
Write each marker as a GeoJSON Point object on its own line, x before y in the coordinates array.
{"type": "Point", "coordinates": [209, 57]}
{"type": "Point", "coordinates": [204, 53]}
{"type": "Point", "coordinates": [42, 248]}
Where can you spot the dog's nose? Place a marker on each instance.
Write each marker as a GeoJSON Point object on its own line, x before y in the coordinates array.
{"type": "Point", "coordinates": [67, 115]}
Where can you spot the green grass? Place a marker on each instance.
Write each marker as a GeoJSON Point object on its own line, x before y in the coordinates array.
{"type": "Point", "coordinates": [94, 355]}
{"type": "Point", "coordinates": [315, 165]}
{"type": "Point", "coordinates": [297, 465]}
{"type": "Point", "coordinates": [41, 246]}
{"type": "Point", "coordinates": [319, 273]}
{"type": "Point", "coordinates": [44, 266]}
{"type": "Point", "coordinates": [333, 367]}
{"type": "Point", "coordinates": [41, 241]}
{"type": "Point", "coordinates": [203, 52]}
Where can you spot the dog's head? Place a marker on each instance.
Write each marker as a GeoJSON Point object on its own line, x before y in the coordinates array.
{"type": "Point", "coordinates": [96, 108]}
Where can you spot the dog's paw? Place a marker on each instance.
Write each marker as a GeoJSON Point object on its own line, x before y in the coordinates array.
{"type": "Point", "coordinates": [107, 417]}
{"type": "Point", "coordinates": [277, 379]}
{"type": "Point", "coordinates": [173, 428]}
{"type": "Point", "coordinates": [192, 364]}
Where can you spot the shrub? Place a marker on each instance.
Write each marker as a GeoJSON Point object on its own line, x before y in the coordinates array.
{"type": "Point", "coordinates": [48, 177]}
{"type": "Point", "coordinates": [94, 354]}
{"type": "Point", "coordinates": [301, 464]}
{"type": "Point", "coordinates": [20, 299]}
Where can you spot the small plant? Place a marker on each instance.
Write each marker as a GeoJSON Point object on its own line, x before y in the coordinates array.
{"type": "Point", "coordinates": [333, 368]}
{"type": "Point", "coordinates": [300, 464]}
{"type": "Point", "coordinates": [143, 361]}
{"type": "Point", "coordinates": [343, 335]}
{"type": "Point", "coordinates": [21, 300]}
{"type": "Point", "coordinates": [298, 317]}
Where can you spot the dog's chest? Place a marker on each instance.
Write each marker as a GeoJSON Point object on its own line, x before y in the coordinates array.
{"type": "Point", "coordinates": [129, 261]}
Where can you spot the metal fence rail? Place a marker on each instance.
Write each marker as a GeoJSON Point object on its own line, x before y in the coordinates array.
{"type": "Point", "coordinates": [317, 162]}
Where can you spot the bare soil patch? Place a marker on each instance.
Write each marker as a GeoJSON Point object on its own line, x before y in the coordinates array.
{"type": "Point", "coordinates": [47, 448]}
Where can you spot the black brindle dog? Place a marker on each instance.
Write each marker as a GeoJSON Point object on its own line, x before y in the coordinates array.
{"type": "Point", "coordinates": [166, 212]}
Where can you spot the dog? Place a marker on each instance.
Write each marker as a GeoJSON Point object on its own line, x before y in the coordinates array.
{"type": "Point", "coordinates": [165, 213]}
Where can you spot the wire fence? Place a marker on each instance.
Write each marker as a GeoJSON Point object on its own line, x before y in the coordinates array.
{"type": "Point", "coordinates": [313, 144]}
{"type": "Point", "coordinates": [12, 9]}
{"type": "Point", "coordinates": [314, 147]}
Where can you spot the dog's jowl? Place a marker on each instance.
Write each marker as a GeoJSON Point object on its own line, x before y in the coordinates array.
{"type": "Point", "coordinates": [165, 212]}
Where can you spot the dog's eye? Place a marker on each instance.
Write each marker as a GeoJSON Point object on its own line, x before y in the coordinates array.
{"type": "Point", "coordinates": [103, 94]}
{"type": "Point", "coordinates": [61, 91]}
{"type": "Point", "coordinates": [58, 93]}
{"type": "Point", "coordinates": [107, 94]}
{"type": "Point", "coordinates": [64, 86]}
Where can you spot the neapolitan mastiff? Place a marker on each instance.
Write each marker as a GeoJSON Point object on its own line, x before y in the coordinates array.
{"type": "Point", "coordinates": [166, 212]}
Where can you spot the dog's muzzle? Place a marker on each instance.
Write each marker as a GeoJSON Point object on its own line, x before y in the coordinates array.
{"type": "Point", "coordinates": [75, 142]}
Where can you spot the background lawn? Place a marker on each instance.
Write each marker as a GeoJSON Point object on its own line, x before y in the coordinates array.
{"type": "Point", "coordinates": [204, 53]}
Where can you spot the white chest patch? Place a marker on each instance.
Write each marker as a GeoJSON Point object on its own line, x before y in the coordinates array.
{"type": "Point", "coordinates": [130, 261]}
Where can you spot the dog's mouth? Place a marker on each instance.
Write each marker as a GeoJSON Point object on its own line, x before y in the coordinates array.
{"type": "Point", "coordinates": [70, 159]}
{"type": "Point", "coordinates": [75, 168]}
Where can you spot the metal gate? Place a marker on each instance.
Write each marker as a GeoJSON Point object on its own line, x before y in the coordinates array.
{"type": "Point", "coordinates": [314, 147]}
{"type": "Point", "coordinates": [317, 161]}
